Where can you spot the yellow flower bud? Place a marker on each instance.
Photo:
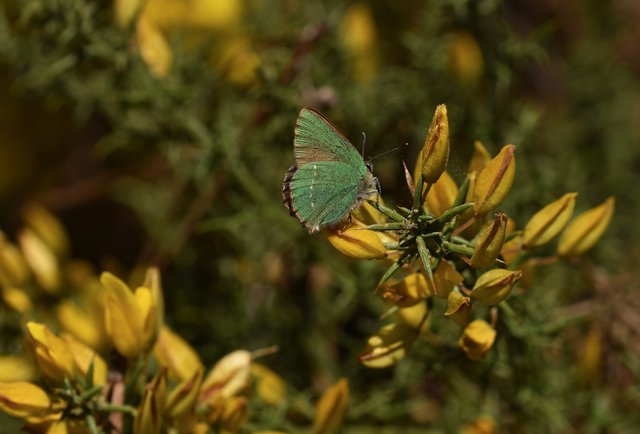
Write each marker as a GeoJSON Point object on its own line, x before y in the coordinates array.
{"type": "Point", "coordinates": [124, 11]}
{"type": "Point", "coordinates": [84, 357]}
{"type": "Point", "coordinates": [415, 316]}
{"type": "Point", "coordinates": [214, 14]}
{"type": "Point", "coordinates": [84, 326]}
{"type": "Point", "coordinates": [494, 181]}
{"type": "Point", "coordinates": [435, 152]}
{"type": "Point", "coordinates": [489, 242]}
{"type": "Point", "coordinates": [458, 308]}
{"type": "Point", "coordinates": [388, 346]}
{"type": "Point", "coordinates": [227, 378]}
{"type": "Point", "coordinates": [358, 32]}
{"type": "Point", "coordinates": [182, 399]}
{"type": "Point", "coordinates": [52, 353]}
{"type": "Point", "coordinates": [16, 368]}
{"type": "Point", "coordinates": [234, 414]}
{"type": "Point", "coordinates": [331, 408]}
{"type": "Point", "coordinates": [477, 338]}
{"type": "Point", "coordinates": [148, 419]}
{"type": "Point", "coordinates": [441, 195]}
{"type": "Point", "coordinates": [495, 285]}
{"type": "Point", "coordinates": [407, 292]}
{"type": "Point", "coordinates": [479, 159]}
{"type": "Point", "coordinates": [41, 260]}
{"type": "Point", "coordinates": [270, 387]}
{"type": "Point", "coordinates": [465, 59]}
{"type": "Point", "coordinates": [591, 356]}
{"type": "Point", "coordinates": [13, 268]}
{"type": "Point", "coordinates": [356, 242]}
{"type": "Point", "coordinates": [27, 401]}
{"type": "Point", "coordinates": [48, 228]}
{"type": "Point", "coordinates": [586, 229]}
{"type": "Point", "coordinates": [547, 223]}
{"type": "Point", "coordinates": [123, 316]}
{"type": "Point", "coordinates": [16, 299]}
{"type": "Point", "coordinates": [154, 48]}
{"type": "Point", "coordinates": [176, 354]}
{"type": "Point", "coordinates": [445, 278]}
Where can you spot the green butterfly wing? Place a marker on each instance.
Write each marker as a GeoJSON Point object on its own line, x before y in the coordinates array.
{"type": "Point", "coordinates": [316, 139]}
{"type": "Point", "coordinates": [323, 193]}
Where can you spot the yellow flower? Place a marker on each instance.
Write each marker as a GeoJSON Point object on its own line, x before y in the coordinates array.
{"type": "Point", "coordinates": [388, 346]}
{"type": "Point", "coordinates": [47, 227]}
{"type": "Point", "coordinates": [16, 299]}
{"type": "Point", "coordinates": [16, 368]}
{"type": "Point", "coordinates": [125, 10]}
{"type": "Point", "coordinates": [131, 319]}
{"type": "Point", "coordinates": [27, 401]}
{"type": "Point", "coordinates": [13, 268]}
{"type": "Point", "coordinates": [586, 229]}
{"type": "Point", "coordinates": [238, 61]}
{"type": "Point", "coordinates": [52, 353]}
{"type": "Point", "coordinates": [148, 419]}
{"type": "Point", "coordinates": [482, 425]}
{"type": "Point", "coordinates": [270, 387]}
{"type": "Point", "coordinates": [435, 152]}
{"type": "Point", "coordinates": [86, 327]}
{"type": "Point", "coordinates": [176, 354]}
{"type": "Point", "coordinates": [233, 414]}
{"type": "Point", "coordinates": [441, 195]}
{"type": "Point", "coordinates": [85, 357]}
{"type": "Point", "coordinates": [409, 291]}
{"type": "Point", "coordinates": [547, 223]}
{"type": "Point", "coordinates": [458, 308]}
{"type": "Point", "coordinates": [477, 338]}
{"type": "Point", "coordinates": [213, 14]}
{"type": "Point", "coordinates": [183, 397]}
{"type": "Point", "coordinates": [446, 277]}
{"type": "Point", "coordinates": [227, 378]}
{"type": "Point", "coordinates": [331, 408]}
{"type": "Point", "coordinates": [415, 316]}
{"type": "Point", "coordinates": [494, 181]}
{"type": "Point", "coordinates": [465, 59]}
{"type": "Point", "coordinates": [489, 242]}
{"type": "Point", "coordinates": [495, 285]}
{"type": "Point", "coordinates": [41, 260]}
{"type": "Point", "coordinates": [154, 48]}
{"type": "Point", "coordinates": [356, 242]}
{"type": "Point", "coordinates": [358, 31]}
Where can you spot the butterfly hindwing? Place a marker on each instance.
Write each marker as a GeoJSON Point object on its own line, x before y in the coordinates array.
{"type": "Point", "coordinates": [319, 196]}
{"type": "Point", "coordinates": [316, 139]}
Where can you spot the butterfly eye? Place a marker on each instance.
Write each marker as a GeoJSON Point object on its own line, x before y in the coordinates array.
{"type": "Point", "coordinates": [369, 165]}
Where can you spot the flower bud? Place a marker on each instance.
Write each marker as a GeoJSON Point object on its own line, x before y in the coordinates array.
{"type": "Point", "coordinates": [331, 408]}
{"type": "Point", "coordinates": [27, 401]}
{"type": "Point", "coordinates": [465, 59]}
{"type": "Point", "coordinates": [435, 152]}
{"type": "Point", "coordinates": [547, 223]}
{"type": "Point", "coordinates": [85, 357]}
{"type": "Point", "coordinates": [445, 278]}
{"type": "Point", "coordinates": [52, 353]}
{"type": "Point", "coordinates": [148, 419]}
{"type": "Point", "coordinates": [356, 242]}
{"type": "Point", "coordinates": [586, 229]}
{"type": "Point", "coordinates": [123, 317]}
{"type": "Point", "coordinates": [175, 354]}
{"type": "Point", "coordinates": [479, 159]}
{"type": "Point", "coordinates": [409, 291]}
{"type": "Point", "coordinates": [358, 33]}
{"type": "Point", "coordinates": [270, 387]}
{"type": "Point", "coordinates": [388, 346]}
{"type": "Point", "coordinates": [124, 11]}
{"type": "Point", "coordinates": [13, 268]}
{"type": "Point", "coordinates": [441, 195]}
{"type": "Point", "coordinates": [227, 378]}
{"type": "Point", "coordinates": [494, 181]}
{"type": "Point", "coordinates": [489, 242]}
{"type": "Point", "coordinates": [415, 316]}
{"type": "Point", "coordinates": [48, 228]}
{"type": "Point", "coordinates": [234, 414]}
{"type": "Point", "coordinates": [83, 325]}
{"type": "Point", "coordinates": [458, 308]}
{"type": "Point", "coordinates": [477, 338]}
{"type": "Point", "coordinates": [182, 399]}
{"type": "Point", "coordinates": [41, 260]}
{"type": "Point", "coordinates": [17, 299]}
{"type": "Point", "coordinates": [154, 48]}
{"type": "Point", "coordinates": [495, 285]}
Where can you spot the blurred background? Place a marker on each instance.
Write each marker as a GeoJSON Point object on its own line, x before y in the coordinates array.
{"type": "Point", "coordinates": [162, 137]}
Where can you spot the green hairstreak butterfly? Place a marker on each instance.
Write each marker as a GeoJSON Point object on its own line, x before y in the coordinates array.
{"type": "Point", "coordinates": [329, 178]}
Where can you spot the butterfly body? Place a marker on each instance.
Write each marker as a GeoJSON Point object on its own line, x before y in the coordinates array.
{"type": "Point", "coordinates": [329, 178]}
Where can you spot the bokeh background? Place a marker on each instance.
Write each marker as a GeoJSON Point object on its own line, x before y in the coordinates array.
{"type": "Point", "coordinates": [168, 146]}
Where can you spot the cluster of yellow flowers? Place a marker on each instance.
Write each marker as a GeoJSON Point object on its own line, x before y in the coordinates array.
{"type": "Point", "coordinates": [448, 246]}
{"type": "Point", "coordinates": [114, 364]}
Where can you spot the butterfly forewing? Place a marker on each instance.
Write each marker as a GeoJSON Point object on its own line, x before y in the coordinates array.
{"type": "Point", "coordinates": [316, 139]}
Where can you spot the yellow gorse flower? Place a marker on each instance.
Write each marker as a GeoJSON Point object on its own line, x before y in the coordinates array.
{"type": "Point", "coordinates": [176, 355]}
{"type": "Point", "coordinates": [27, 401]}
{"type": "Point", "coordinates": [435, 153]}
{"type": "Point", "coordinates": [149, 417]}
{"type": "Point", "coordinates": [52, 353]}
{"type": "Point", "coordinates": [494, 181]}
{"type": "Point", "coordinates": [331, 408]}
{"type": "Point", "coordinates": [547, 223]}
{"type": "Point", "coordinates": [586, 229]}
{"type": "Point", "coordinates": [477, 339]}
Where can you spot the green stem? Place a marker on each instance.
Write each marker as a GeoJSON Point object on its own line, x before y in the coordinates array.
{"type": "Point", "coordinates": [426, 260]}
{"type": "Point", "coordinates": [457, 248]}
{"type": "Point", "coordinates": [386, 211]}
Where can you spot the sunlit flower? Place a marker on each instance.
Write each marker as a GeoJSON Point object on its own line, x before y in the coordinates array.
{"type": "Point", "coordinates": [331, 408]}
{"type": "Point", "coordinates": [477, 338]}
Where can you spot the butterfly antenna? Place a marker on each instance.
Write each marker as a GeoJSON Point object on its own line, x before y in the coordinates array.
{"type": "Point", "coordinates": [364, 140]}
{"type": "Point", "coordinates": [388, 152]}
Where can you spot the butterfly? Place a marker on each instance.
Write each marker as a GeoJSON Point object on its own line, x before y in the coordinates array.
{"type": "Point", "coordinates": [329, 178]}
